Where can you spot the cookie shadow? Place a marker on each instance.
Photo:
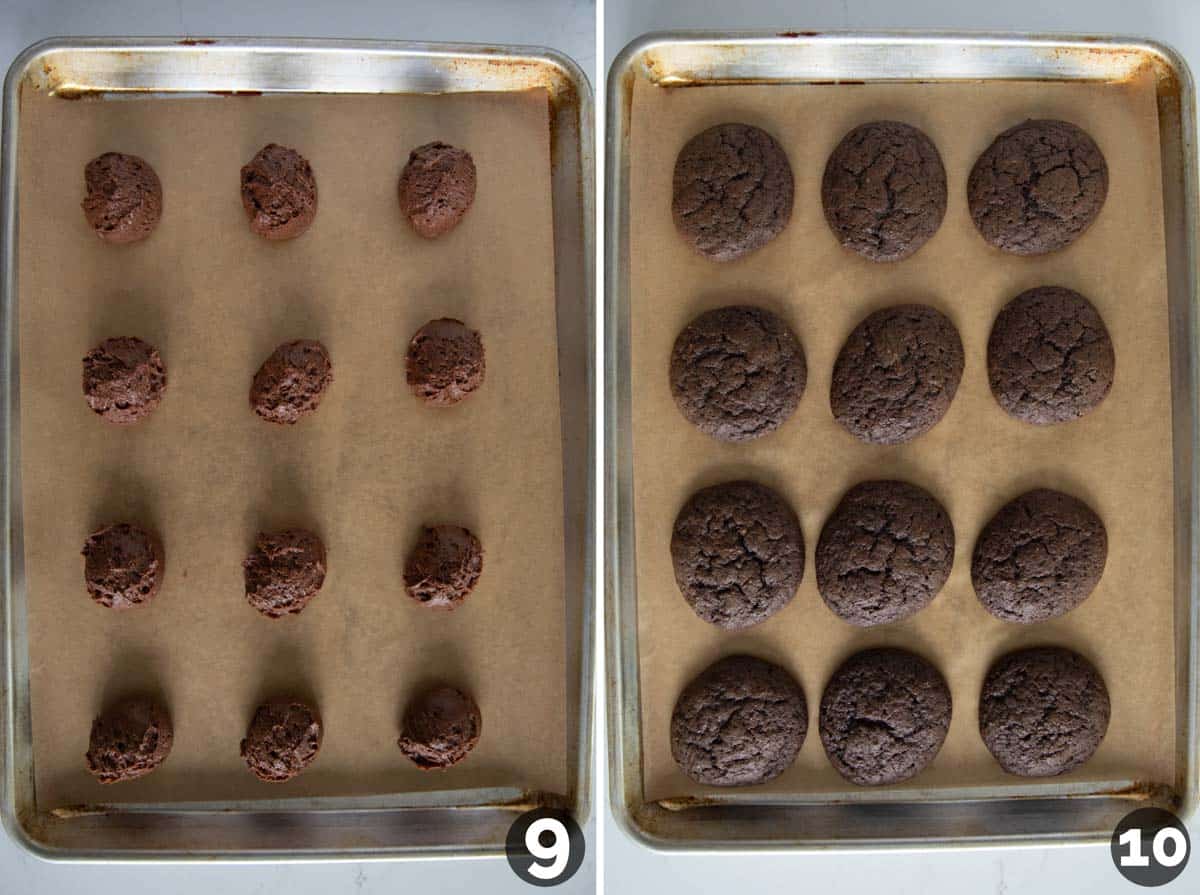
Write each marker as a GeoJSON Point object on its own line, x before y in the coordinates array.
{"type": "Point", "coordinates": [293, 315]}
{"type": "Point", "coordinates": [133, 672]}
{"type": "Point", "coordinates": [130, 314]}
{"type": "Point", "coordinates": [283, 675]}
{"type": "Point", "coordinates": [453, 670]}
{"type": "Point", "coordinates": [284, 504]}
{"type": "Point", "coordinates": [125, 497]}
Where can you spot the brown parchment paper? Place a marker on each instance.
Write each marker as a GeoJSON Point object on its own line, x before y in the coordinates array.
{"type": "Point", "coordinates": [366, 471]}
{"type": "Point", "coordinates": [1118, 458]}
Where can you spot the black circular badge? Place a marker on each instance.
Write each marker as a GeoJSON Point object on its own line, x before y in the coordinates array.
{"type": "Point", "coordinates": [544, 847]}
{"type": "Point", "coordinates": [1150, 847]}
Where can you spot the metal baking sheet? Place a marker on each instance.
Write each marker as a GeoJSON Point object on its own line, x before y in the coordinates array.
{"type": "Point", "coordinates": [983, 815]}
{"type": "Point", "coordinates": [428, 824]}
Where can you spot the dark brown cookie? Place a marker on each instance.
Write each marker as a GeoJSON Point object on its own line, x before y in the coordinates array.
{"type": "Point", "coordinates": [123, 379]}
{"type": "Point", "coordinates": [884, 190]}
{"type": "Point", "coordinates": [291, 382]}
{"type": "Point", "coordinates": [437, 186]}
{"type": "Point", "coordinates": [445, 362]}
{"type": "Point", "coordinates": [1050, 358]}
{"type": "Point", "coordinates": [443, 567]}
{"type": "Point", "coordinates": [279, 192]}
{"type": "Point", "coordinates": [1037, 187]}
{"type": "Point", "coordinates": [129, 741]}
{"type": "Point", "coordinates": [283, 739]}
{"type": "Point", "coordinates": [1043, 711]}
{"type": "Point", "coordinates": [884, 716]}
{"type": "Point", "coordinates": [884, 554]}
{"type": "Point", "coordinates": [738, 553]}
{"type": "Point", "coordinates": [1039, 557]}
{"type": "Point", "coordinates": [897, 374]}
{"type": "Point", "coordinates": [123, 566]}
{"type": "Point", "coordinates": [732, 191]}
{"type": "Point", "coordinates": [284, 572]}
{"type": "Point", "coordinates": [737, 373]}
{"type": "Point", "coordinates": [741, 721]}
{"type": "Point", "coordinates": [440, 728]}
{"type": "Point", "coordinates": [124, 197]}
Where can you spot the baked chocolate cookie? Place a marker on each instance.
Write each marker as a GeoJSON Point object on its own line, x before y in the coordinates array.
{"type": "Point", "coordinates": [129, 741]}
{"type": "Point", "coordinates": [897, 374]}
{"type": "Point", "coordinates": [884, 716]}
{"type": "Point", "coordinates": [1037, 187]}
{"type": "Point", "coordinates": [123, 379]}
{"type": "Point", "coordinates": [279, 192]}
{"type": "Point", "coordinates": [291, 382]}
{"type": "Point", "coordinates": [122, 566]}
{"type": "Point", "coordinates": [884, 554]}
{"type": "Point", "coordinates": [444, 566]}
{"type": "Point", "coordinates": [124, 198]}
{"type": "Point", "coordinates": [1039, 557]}
{"type": "Point", "coordinates": [737, 373]}
{"type": "Point", "coordinates": [283, 739]}
{"type": "Point", "coordinates": [738, 553]}
{"type": "Point", "coordinates": [884, 190]}
{"type": "Point", "coordinates": [732, 191]}
{"type": "Point", "coordinates": [741, 721]}
{"type": "Point", "coordinates": [437, 187]}
{"type": "Point", "coordinates": [1043, 711]}
{"type": "Point", "coordinates": [1050, 359]}
{"type": "Point", "coordinates": [445, 362]}
{"type": "Point", "coordinates": [441, 726]}
{"type": "Point", "coordinates": [284, 572]}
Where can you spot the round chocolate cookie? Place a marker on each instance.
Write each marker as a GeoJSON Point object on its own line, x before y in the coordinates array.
{"type": "Point", "coordinates": [1039, 557]}
{"type": "Point", "coordinates": [124, 197]}
{"type": "Point", "coordinates": [1049, 358]}
{"type": "Point", "coordinates": [1043, 711]}
{"type": "Point", "coordinates": [884, 716]}
{"type": "Point", "coordinates": [732, 191]}
{"type": "Point", "coordinates": [884, 554]}
{"type": "Point", "coordinates": [291, 382]}
{"type": "Point", "coordinates": [437, 186]}
{"type": "Point", "coordinates": [884, 190]}
{"type": "Point", "coordinates": [284, 572]}
{"type": "Point", "coordinates": [440, 728]}
{"type": "Point", "coordinates": [1037, 187]}
{"type": "Point", "coordinates": [283, 739]}
{"type": "Point", "coordinates": [443, 567]}
{"type": "Point", "coordinates": [897, 374]}
{"type": "Point", "coordinates": [737, 373]}
{"type": "Point", "coordinates": [123, 566]}
{"type": "Point", "coordinates": [738, 553]}
{"type": "Point", "coordinates": [129, 741]}
{"type": "Point", "coordinates": [445, 362]}
{"type": "Point", "coordinates": [279, 192]}
{"type": "Point", "coordinates": [123, 379]}
{"type": "Point", "coordinates": [741, 721]}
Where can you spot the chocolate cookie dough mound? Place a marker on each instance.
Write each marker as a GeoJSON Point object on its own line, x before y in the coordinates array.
{"type": "Point", "coordinates": [738, 554]}
{"type": "Point", "coordinates": [741, 721]}
{"type": "Point", "coordinates": [279, 192]}
{"type": "Point", "coordinates": [737, 373]}
{"type": "Point", "coordinates": [444, 566]}
{"type": "Point", "coordinates": [291, 382]}
{"type": "Point", "coordinates": [129, 741]}
{"type": "Point", "coordinates": [884, 190]}
{"type": "Point", "coordinates": [897, 374]}
{"type": "Point", "coordinates": [1039, 557]}
{"type": "Point", "coordinates": [123, 379]}
{"type": "Point", "coordinates": [1050, 359]}
{"type": "Point", "coordinates": [440, 728]}
{"type": "Point", "coordinates": [437, 186]}
{"type": "Point", "coordinates": [123, 566]}
{"type": "Point", "coordinates": [124, 197]}
{"type": "Point", "coordinates": [1043, 711]}
{"type": "Point", "coordinates": [445, 362]}
{"type": "Point", "coordinates": [283, 739]}
{"type": "Point", "coordinates": [884, 554]}
{"type": "Point", "coordinates": [284, 572]}
{"type": "Point", "coordinates": [732, 191]}
{"type": "Point", "coordinates": [1037, 187]}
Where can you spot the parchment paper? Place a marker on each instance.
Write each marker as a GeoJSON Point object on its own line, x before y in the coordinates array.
{"type": "Point", "coordinates": [366, 471]}
{"type": "Point", "coordinates": [977, 458]}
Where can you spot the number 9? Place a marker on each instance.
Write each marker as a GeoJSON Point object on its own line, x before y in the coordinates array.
{"type": "Point", "coordinates": [558, 852]}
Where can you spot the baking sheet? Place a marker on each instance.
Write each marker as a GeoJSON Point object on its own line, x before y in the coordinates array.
{"type": "Point", "coordinates": [1118, 458]}
{"type": "Point", "coordinates": [366, 471]}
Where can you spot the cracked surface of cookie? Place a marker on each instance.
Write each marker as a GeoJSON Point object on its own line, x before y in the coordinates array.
{"type": "Point", "coordinates": [122, 566]}
{"type": "Point", "coordinates": [732, 191]}
{"type": "Point", "coordinates": [741, 721]}
{"type": "Point", "coordinates": [445, 362]}
{"type": "Point", "coordinates": [279, 192]}
{"type": "Point", "coordinates": [285, 571]}
{"type": "Point", "coordinates": [1039, 557]}
{"type": "Point", "coordinates": [129, 741]}
{"type": "Point", "coordinates": [884, 716]}
{"type": "Point", "coordinates": [123, 379]}
{"type": "Point", "coordinates": [1037, 187]}
{"type": "Point", "coordinates": [444, 566]}
{"type": "Point", "coordinates": [738, 553]}
{"type": "Point", "coordinates": [291, 382]}
{"type": "Point", "coordinates": [440, 728]}
{"type": "Point", "coordinates": [437, 188]}
{"type": "Point", "coordinates": [884, 554]}
{"type": "Point", "coordinates": [884, 190]}
{"type": "Point", "coordinates": [124, 198]}
{"type": "Point", "coordinates": [283, 739]}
